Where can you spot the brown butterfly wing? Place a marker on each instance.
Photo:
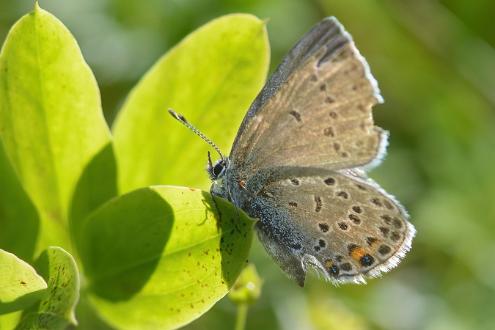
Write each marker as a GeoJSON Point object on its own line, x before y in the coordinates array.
{"type": "Point", "coordinates": [316, 111]}
{"type": "Point", "coordinates": [340, 223]}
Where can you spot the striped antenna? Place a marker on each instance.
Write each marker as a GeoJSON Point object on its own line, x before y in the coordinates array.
{"type": "Point", "coordinates": [196, 131]}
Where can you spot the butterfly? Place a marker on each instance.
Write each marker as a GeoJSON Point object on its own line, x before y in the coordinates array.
{"type": "Point", "coordinates": [298, 164]}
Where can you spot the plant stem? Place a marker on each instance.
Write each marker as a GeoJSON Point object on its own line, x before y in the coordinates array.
{"type": "Point", "coordinates": [240, 323]}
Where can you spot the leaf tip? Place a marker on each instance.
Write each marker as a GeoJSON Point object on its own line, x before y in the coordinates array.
{"type": "Point", "coordinates": [37, 9]}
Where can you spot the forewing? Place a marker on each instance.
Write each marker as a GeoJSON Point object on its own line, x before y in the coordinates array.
{"type": "Point", "coordinates": [342, 224]}
{"type": "Point", "coordinates": [316, 111]}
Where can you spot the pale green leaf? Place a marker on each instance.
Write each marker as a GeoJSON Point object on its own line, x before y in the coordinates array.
{"type": "Point", "coordinates": [20, 285]}
{"type": "Point", "coordinates": [157, 258]}
{"type": "Point", "coordinates": [9, 321]}
{"type": "Point", "coordinates": [51, 122]}
{"type": "Point", "coordinates": [56, 310]}
{"type": "Point", "coordinates": [211, 77]}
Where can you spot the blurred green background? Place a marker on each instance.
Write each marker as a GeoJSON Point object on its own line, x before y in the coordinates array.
{"type": "Point", "coordinates": [435, 63]}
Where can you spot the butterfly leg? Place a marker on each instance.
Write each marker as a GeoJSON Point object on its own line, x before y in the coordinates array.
{"type": "Point", "coordinates": [215, 205]}
{"type": "Point", "coordinates": [219, 214]}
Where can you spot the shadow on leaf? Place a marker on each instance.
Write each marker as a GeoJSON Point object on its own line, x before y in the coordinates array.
{"type": "Point", "coordinates": [234, 225]}
{"type": "Point", "coordinates": [19, 220]}
{"type": "Point", "coordinates": [122, 243]}
{"type": "Point", "coordinates": [97, 185]}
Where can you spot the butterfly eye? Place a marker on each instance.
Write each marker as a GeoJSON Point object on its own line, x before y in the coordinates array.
{"type": "Point", "coordinates": [218, 169]}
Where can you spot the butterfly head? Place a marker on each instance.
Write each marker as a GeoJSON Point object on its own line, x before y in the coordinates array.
{"type": "Point", "coordinates": [217, 170]}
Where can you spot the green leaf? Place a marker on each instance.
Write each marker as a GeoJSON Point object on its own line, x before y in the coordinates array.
{"type": "Point", "coordinates": [211, 77]}
{"type": "Point", "coordinates": [51, 122]}
{"type": "Point", "coordinates": [97, 184]}
{"type": "Point", "coordinates": [158, 257]}
{"type": "Point", "coordinates": [56, 310]}
{"type": "Point", "coordinates": [9, 321]}
{"type": "Point", "coordinates": [20, 285]}
{"type": "Point", "coordinates": [19, 222]}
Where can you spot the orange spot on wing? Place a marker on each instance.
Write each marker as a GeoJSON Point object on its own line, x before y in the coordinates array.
{"type": "Point", "coordinates": [357, 253]}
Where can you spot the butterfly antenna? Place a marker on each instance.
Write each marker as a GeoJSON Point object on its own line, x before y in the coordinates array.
{"type": "Point", "coordinates": [196, 131]}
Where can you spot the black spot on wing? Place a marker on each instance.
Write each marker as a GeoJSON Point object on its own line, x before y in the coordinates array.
{"type": "Point", "coordinates": [318, 203]}
{"type": "Point", "coordinates": [323, 227]}
{"type": "Point", "coordinates": [367, 260]}
{"type": "Point", "coordinates": [296, 115]}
